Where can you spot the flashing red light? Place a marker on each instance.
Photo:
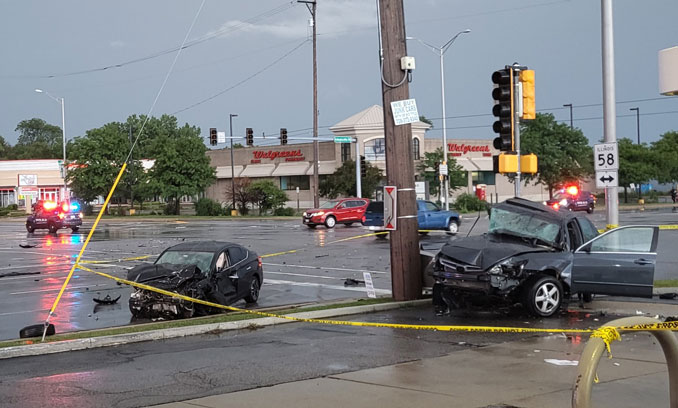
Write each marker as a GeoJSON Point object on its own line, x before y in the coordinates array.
{"type": "Point", "coordinates": [65, 207]}
{"type": "Point", "coordinates": [556, 206]}
{"type": "Point", "coordinates": [572, 190]}
{"type": "Point", "coordinates": [61, 216]}
{"type": "Point", "coordinates": [49, 205]}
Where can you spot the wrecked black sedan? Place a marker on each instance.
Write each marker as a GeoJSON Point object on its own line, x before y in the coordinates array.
{"type": "Point", "coordinates": [537, 256]}
{"type": "Point", "coordinates": [218, 272]}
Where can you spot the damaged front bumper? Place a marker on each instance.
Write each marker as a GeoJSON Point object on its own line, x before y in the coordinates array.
{"type": "Point", "coordinates": [499, 280]}
{"type": "Point", "coordinates": [144, 303]}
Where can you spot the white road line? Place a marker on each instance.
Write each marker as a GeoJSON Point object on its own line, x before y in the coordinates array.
{"type": "Point", "coordinates": [303, 275]}
{"type": "Point", "coordinates": [24, 311]}
{"type": "Point", "coordinates": [323, 286]}
{"type": "Point", "coordinates": [68, 289]}
{"type": "Point", "coordinates": [322, 267]}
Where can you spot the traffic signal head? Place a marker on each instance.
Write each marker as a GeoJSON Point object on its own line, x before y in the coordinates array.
{"type": "Point", "coordinates": [527, 79]}
{"type": "Point", "coordinates": [249, 136]}
{"type": "Point", "coordinates": [363, 166]}
{"type": "Point", "coordinates": [283, 136]}
{"type": "Point", "coordinates": [503, 109]}
{"type": "Point", "coordinates": [213, 136]}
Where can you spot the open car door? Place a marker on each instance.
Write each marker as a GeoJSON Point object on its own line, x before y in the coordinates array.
{"type": "Point", "coordinates": [618, 262]}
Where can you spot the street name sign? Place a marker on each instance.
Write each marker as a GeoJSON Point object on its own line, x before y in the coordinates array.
{"type": "Point", "coordinates": [606, 179]}
{"type": "Point", "coordinates": [606, 157]}
{"type": "Point", "coordinates": [404, 111]}
{"type": "Point", "coordinates": [390, 207]}
{"type": "Point", "coordinates": [221, 137]}
{"type": "Point", "coordinates": [342, 139]}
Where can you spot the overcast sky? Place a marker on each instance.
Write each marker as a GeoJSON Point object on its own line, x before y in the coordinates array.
{"type": "Point", "coordinates": [254, 58]}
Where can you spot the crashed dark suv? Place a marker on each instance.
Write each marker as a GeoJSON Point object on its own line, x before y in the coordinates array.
{"type": "Point", "coordinates": [537, 256]}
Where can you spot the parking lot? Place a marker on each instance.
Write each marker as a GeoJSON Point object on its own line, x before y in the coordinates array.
{"type": "Point", "coordinates": [316, 271]}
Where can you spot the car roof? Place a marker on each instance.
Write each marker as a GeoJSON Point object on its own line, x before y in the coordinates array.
{"type": "Point", "coordinates": [202, 246]}
{"type": "Point", "coordinates": [538, 207]}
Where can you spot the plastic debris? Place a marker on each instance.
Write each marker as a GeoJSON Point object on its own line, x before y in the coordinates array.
{"type": "Point", "coordinates": [107, 300]}
{"type": "Point", "coordinates": [557, 362]}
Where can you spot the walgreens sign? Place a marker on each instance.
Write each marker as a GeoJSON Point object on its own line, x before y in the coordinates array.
{"type": "Point", "coordinates": [288, 155]}
{"type": "Point", "coordinates": [460, 149]}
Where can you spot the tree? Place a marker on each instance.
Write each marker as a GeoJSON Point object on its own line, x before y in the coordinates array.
{"type": "Point", "coordinates": [181, 166]}
{"type": "Point", "coordinates": [424, 119]}
{"type": "Point", "coordinates": [38, 140]}
{"type": "Point", "coordinates": [665, 153]}
{"type": "Point", "coordinates": [343, 182]}
{"type": "Point", "coordinates": [636, 164]}
{"type": "Point", "coordinates": [5, 149]}
{"type": "Point", "coordinates": [564, 153]}
{"type": "Point", "coordinates": [242, 193]}
{"type": "Point", "coordinates": [427, 171]}
{"type": "Point", "coordinates": [267, 195]}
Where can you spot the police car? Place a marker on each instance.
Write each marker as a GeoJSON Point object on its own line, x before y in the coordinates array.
{"type": "Point", "coordinates": [50, 216]}
{"type": "Point", "coordinates": [571, 198]}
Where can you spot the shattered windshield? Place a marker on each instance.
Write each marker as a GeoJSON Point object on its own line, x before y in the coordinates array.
{"type": "Point", "coordinates": [202, 260]}
{"type": "Point", "coordinates": [524, 225]}
{"type": "Point", "coordinates": [329, 204]}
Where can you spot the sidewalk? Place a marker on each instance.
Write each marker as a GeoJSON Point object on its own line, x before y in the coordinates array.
{"type": "Point", "coordinates": [508, 375]}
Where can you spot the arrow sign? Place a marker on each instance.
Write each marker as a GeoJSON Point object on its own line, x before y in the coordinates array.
{"type": "Point", "coordinates": [606, 179]}
{"type": "Point", "coordinates": [390, 207]}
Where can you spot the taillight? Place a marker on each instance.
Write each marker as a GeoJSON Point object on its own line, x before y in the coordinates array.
{"type": "Point", "coordinates": [364, 218]}
{"type": "Point", "coordinates": [259, 260]}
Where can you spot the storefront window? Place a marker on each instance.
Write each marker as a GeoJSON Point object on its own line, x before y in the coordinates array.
{"type": "Point", "coordinates": [483, 177]}
{"type": "Point", "coordinates": [292, 182]}
{"type": "Point", "coordinates": [7, 197]}
{"type": "Point", "coordinates": [415, 148]}
{"type": "Point", "coordinates": [375, 150]}
{"type": "Point", "coordinates": [345, 152]}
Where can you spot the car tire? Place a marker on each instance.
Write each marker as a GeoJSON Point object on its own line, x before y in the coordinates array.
{"type": "Point", "coordinates": [381, 237]}
{"type": "Point", "coordinates": [53, 228]}
{"type": "Point", "coordinates": [36, 330]}
{"type": "Point", "coordinates": [423, 233]}
{"type": "Point", "coordinates": [311, 226]}
{"type": "Point", "coordinates": [348, 224]}
{"type": "Point", "coordinates": [589, 209]}
{"type": "Point", "coordinates": [75, 229]}
{"type": "Point", "coordinates": [255, 287]}
{"type": "Point", "coordinates": [30, 228]}
{"type": "Point", "coordinates": [544, 296]}
{"type": "Point", "coordinates": [587, 297]}
{"type": "Point", "coordinates": [452, 228]}
{"type": "Point", "coordinates": [330, 222]}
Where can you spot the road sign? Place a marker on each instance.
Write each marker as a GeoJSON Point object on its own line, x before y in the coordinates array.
{"type": "Point", "coordinates": [369, 285]}
{"type": "Point", "coordinates": [390, 207]}
{"type": "Point", "coordinates": [221, 137]}
{"type": "Point", "coordinates": [606, 179]}
{"type": "Point", "coordinates": [342, 139]}
{"type": "Point", "coordinates": [605, 157]}
{"type": "Point", "coordinates": [442, 169]}
{"type": "Point", "coordinates": [404, 111]}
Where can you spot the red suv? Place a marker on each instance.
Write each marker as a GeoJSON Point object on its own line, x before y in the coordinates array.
{"type": "Point", "coordinates": [343, 211]}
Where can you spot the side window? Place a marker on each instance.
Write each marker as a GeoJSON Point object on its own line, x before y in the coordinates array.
{"type": "Point", "coordinates": [636, 239]}
{"type": "Point", "coordinates": [573, 233]}
{"type": "Point", "coordinates": [588, 230]}
{"type": "Point", "coordinates": [431, 207]}
{"type": "Point", "coordinates": [360, 203]}
{"type": "Point", "coordinates": [236, 255]}
{"type": "Point", "coordinates": [353, 204]}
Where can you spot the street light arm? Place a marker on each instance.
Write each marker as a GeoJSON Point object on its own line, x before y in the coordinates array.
{"type": "Point", "coordinates": [449, 43]}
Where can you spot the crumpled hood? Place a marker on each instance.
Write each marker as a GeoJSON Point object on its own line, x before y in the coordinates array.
{"type": "Point", "coordinates": [163, 276]}
{"type": "Point", "coordinates": [485, 250]}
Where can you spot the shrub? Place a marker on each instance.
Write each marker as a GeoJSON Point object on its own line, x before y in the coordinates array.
{"type": "Point", "coordinates": [468, 203]}
{"type": "Point", "coordinates": [4, 211]}
{"type": "Point", "coordinates": [13, 207]}
{"type": "Point", "coordinates": [208, 207]}
{"type": "Point", "coordinates": [284, 211]}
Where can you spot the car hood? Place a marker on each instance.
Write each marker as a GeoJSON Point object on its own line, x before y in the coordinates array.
{"type": "Point", "coordinates": [486, 250]}
{"type": "Point", "coordinates": [163, 276]}
{"type": "Point", "coordinates": [313, 210]}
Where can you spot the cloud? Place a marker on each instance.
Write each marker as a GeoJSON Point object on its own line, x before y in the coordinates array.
{"type": "Point", "coordinates": [116, 44]}
{"type": "Point", "coordinates": [334, 18]}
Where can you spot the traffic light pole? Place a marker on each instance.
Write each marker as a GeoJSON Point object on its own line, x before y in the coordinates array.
{"type": "Point", "coordinates": [358, 187]}
{"type": "Point", "coordinates": [609, 108]}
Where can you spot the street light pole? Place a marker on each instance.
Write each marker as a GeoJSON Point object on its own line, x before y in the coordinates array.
{"type": "Point", "coordinates": [637, 121]}
{"type": "Point", "coordinates": [569, 105]}
{"type": "Point", "coordinates": [230, 124]}
{"type": "Point", "coordinates": [63, 134]}
{"type": "Point", "coordinates": [441, 52]}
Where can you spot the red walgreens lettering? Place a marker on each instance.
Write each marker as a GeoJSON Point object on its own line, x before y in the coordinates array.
{"type": "Point", "coordinates": [272, 155]}
{"type": "Point", "coordinates": [464, 148]}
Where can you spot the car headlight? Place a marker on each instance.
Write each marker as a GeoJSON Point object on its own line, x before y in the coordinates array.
{"type": "Point", "coordinates": [563, 202]}
{"type": "Point", "coordinates": [304, 214]}
{"type": "Point", "coordinates": [545, 203]}
{"type": "Point", "coordinates": [495, 270]}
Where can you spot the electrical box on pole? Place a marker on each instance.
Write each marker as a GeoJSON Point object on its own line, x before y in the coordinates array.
{"type": "Point", "coordinates": [503, 109]}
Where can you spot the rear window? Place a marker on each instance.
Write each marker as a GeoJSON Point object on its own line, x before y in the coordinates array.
{"type": "Point", "coordinates": [375, 207]}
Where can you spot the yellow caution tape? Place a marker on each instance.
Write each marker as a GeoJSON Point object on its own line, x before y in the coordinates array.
{"type": "Point", "coordinates": [668, 227]}
{"type": "Point", "coordinates": [608, 334]}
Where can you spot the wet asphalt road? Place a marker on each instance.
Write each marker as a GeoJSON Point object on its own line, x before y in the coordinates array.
{"type": "Point", "coordinates": [150, 373]}
{"type": "Point", "coordinates": [30, 278]}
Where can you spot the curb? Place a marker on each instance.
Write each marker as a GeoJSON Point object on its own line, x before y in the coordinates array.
{"type": "Point", "coordinates": [162, 334]}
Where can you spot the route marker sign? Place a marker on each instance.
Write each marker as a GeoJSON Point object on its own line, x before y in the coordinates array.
{"type": "Point", "coordinates": [606, 179]}
{"type": "Point", "coordinates": [390, 207]}
{"type": "Point", "coordinates": [606, 157]}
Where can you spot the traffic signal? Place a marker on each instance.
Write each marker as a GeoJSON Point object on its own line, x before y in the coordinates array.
{"type": "Point", "coordinates": [283, 136]}
{"type": "Point", "coordinates": [503, 109]}
{"type": "Point", "coordinates": [363, 166]}
{"type": "Point", "coordinates": [527, 79]}
{"type": "Point", "coordinates": [213, 136]}
{"type": "Point", "coordinates": [249, 136]}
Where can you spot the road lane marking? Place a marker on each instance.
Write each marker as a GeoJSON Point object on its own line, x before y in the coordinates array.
{"type": "Point", "coordinates": [304, 275]}
{"type": "Point", "coordinates": [323, 286]}
{"type": "Point", "coordinates": [318, 267]}
{"type": "Point", "coordinates": [70, 289]}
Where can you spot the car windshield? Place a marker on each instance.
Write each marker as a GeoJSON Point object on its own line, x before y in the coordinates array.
{"type": "Point", "coordinates": [329, 204]}
{"type": "Point", "coordinates": [202, 260]}
{"type": "Point", "coordinates": [524, 225]}
{"type": "Point", "coordinates": [560, 196]}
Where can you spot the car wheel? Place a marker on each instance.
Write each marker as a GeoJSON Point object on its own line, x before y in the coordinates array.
{"type": "Point", "coordinates": [53, 228]}
{"type": "Point", "coordinates": [36, 330]}
{"type": "Point", "coordinates": [330, 222]}
{"type": "Point", "coordinates": [381, 236]}
{"type": "Point", "coordinates": [590, 209]}
{"type": "Point", "coordinates": [75, 229]}
{"type": "Point", "coordinates": [453, 228]}
{"type": "Point", "coordinates": [30, 228]}
{"type": "Point", "coordinates": [587, 297]}
{"type": "Point", "coordinates": [253, 294]}
{"type": "Point", "coordinates": [348, 224]}
{"type": "Point", "coordinates": [311, 226]}
{"type": "Point", "coordinates": [544, 296]}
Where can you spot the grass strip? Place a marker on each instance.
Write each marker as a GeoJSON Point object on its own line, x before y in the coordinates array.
{"type": "Point", "coordinates": [169, 324]}
{"type": "Point", "coordinates": [666, 283]}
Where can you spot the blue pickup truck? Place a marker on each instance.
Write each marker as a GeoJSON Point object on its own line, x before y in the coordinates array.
{"type": "Point", "coordinates": [429, 216]}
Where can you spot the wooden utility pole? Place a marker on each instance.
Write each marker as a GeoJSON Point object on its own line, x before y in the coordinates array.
{"type": "Point", "coordinates": [405, 264]}
{"type": "Point", "coordinates": [311, 5]}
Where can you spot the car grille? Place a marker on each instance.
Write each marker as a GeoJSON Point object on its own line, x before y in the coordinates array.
{"type": "Point", "coordinates": [450, 266]}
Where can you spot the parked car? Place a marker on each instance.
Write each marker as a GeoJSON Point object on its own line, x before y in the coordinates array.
{"type": "Point", "coordinates": [52, 216]}
{"type": "Point", "coordinates": [340, 211]}
{"type": "Point", "coordinates": [429, 217]}
{"type": "Point", "coordinates": [538, 256]}
{"type": "Point", "coordinates": [573, 199]}
{"type": "Point", "coordinates": [218, 272]}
